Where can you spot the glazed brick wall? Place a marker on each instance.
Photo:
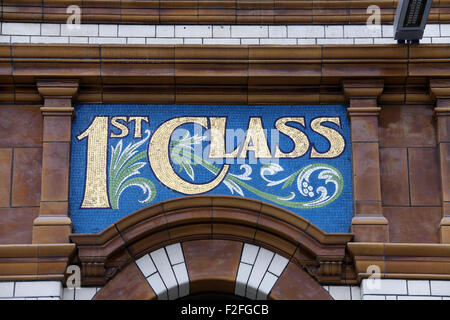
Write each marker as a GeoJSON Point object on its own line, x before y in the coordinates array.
{"type": "Point", "coordinates": [13, 32]}
{"type": "Point", "coordinates": [410, 177]}
{"type": "Point", "coordinates": [20, 172]}
{"type": "Point", "coordinates": [408, 156]}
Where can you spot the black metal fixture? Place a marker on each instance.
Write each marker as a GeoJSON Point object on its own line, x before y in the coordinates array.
{"type": "Point", "coordinates": [410, 20]}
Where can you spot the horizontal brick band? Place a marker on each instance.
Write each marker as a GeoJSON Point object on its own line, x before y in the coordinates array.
{"type": "Point", "coordinates": [213, 12]}
{"type": "Point", "coordinates": [210, 34]}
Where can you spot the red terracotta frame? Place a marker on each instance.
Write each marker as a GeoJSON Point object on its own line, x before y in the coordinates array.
{"type": "Point", "coordinates": [212, 265]}
{"type": "Point", "coordinates": [213, 217]}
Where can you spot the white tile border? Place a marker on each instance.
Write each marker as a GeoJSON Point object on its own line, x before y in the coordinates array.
{"type": "Point", "coordinates": [166, 272]}
{"type": "Point", "coordinates": [6, 289]}
{"type": "Point", "coordinates": [259, 270]}
{"type": "Point", "coordinates": [38, 289]}
{"type": "Point", "coordinates": [53, 290]}
{"type": "Point", "coordinates": [12, 32]}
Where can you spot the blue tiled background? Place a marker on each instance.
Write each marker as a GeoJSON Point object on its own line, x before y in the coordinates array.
{"type": "Point", "coordinates": [335, 217]}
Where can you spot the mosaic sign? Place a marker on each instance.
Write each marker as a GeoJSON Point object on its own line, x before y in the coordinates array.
{"type": "Point", "coordinates": [126, 157]}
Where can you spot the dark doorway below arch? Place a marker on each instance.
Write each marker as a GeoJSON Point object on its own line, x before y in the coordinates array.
{"type": "Point", "coordinates": [212, 296]}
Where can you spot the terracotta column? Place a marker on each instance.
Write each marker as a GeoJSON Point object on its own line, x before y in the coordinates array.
{"type": "Point", "coordinates": [368, 224]}
{"type": "Point", "coordinates": [53, 224]}
{"type": "Point", "coordinates": [440, 90]}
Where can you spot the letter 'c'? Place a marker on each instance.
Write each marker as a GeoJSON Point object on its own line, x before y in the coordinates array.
{"type": "Point", "coordinates": [158, 155]}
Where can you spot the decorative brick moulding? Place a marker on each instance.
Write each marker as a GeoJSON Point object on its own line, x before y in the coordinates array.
{"type": "Point", "coordinates": [368, 224]}
{"type": "Point", "coordinates": [227, 266]}
{"type": "Point", "coordinates": [212, 12]}
{"type": "Point", "coordinates": [231, 233]}
{"type": "Point", "coordinates": [365, 77]}
{"type": "Point", "coordinates": [440, 90]}
{"type": "Point", "coordinates": [35, 261]}
{"type": "Point", "coordinates": [213, 217]}
{"type": "Point", "coordinates": [14, 32]}
{"type": "Point", "coordinates": [221, 74]}
{"type": "Point", "coordinates": [53, 224]}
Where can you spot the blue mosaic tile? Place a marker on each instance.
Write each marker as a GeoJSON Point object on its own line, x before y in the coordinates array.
{"type": "Point", "coordinates": [318, 189]}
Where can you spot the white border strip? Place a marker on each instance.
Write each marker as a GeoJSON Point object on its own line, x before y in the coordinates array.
{"type": "Point", "coordinates": [166, 272]}
{"type": "Point", "coordinates": [47, 33]}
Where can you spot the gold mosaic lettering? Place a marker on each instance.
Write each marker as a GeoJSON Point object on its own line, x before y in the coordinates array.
{"type": "Point", "coordinates": [158, 155]}
{"type": "Point", "coordinates": [301, 142]}
{"type": "Point", "coordinates": [337, 142]}
{"type": "Point", "coordinates": [217, 146]}
{"type": "Point", "coordinates": [138, 125]}
{"type": "Point", "coordinates": [123, 128]}
{"type": "Point", "coordinates": [95, 191]}
{"type": "Point", "coordinates": [258, 139]}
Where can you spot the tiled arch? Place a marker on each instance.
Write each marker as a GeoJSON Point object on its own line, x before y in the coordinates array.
{"type": "Point", "coordinates": [185, 237]}
{"type": "Point", "coordinates": [213, 265]}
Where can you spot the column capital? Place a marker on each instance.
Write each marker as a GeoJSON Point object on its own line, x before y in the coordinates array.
{"type": "Point", "coordinates": [363, 88]}
{"type": "Point", "coordinates": [368, 224]}
{"type": "Point", "coordinates": [57, 88]}
{"type": "Point", "coordinates": [440, 91]}
{"type": "Point", "coordinates": [53, 224]}
{"type": "Point", "coordinates": [442, 111]}
{"type": "Point", "coordinates": [360, 111]}
{"type": "Point", "coordinates": [440, 88]}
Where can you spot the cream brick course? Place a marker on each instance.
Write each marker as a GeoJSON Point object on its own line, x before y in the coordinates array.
{"type": "Point", "coordinates": [5, 39]}
{"type": "Point", "coordinates": [221, 41]}
{"type": "Point", "coordinates": [250, 41]}
{"type": "Point", "coordinates": [79, 40]}
{"type": "Point", "coordinates": [164, 40]}
{"type": "Point", "coordinates": [445, 30]}
{"type": "Point", "coordinates": [432, 30]}
{"type": "Point", "coordinates": [20, 39]}
{"type": "Point", "coordinates": [419, 287]}
{"type": "Point", "coordinates": [363, 41]}
{"type": "Point", "coordinates": [50, 29]}
{"type": "Point", "coordinates": [440, 287]}
{"type": "Point", "coordinates": [362, 31]}
{"type": "Point", "coordinates": [85, 30]}
{"type": "Point", "coordinates": [249, 31]}
{"type": "Point", "coordinates": [306, 41]}
{"type": "Point", "coordinates": [418, 298]}
{"type": "Point", "coordinates": [334, 32]}
{"type": "Point", "coordinates": [277, 31]}
{"type": "Point", "coordinates": [107, 30]}
{"type": "Point", "coordinates": [440, 40]}
{"type": "Point", "coordinates": [306, 31]}
{"type": "Point", "coordinates": [21, 29]}
{"type": "Point", "coordinates": [207, 34]}
{"type": "Point", "coordinates": [101, 40]}
{"type": "Point", "coordinates": [340, 292]}
{"type": "Point", "coordinates": [136, 31]}
{"type": "Point", "coordinates": [384, 41]}
{"type": "Point", "coordinates": [281, 41]}
{"type": "Point", "coordinates": [334, 41]}
{"type": "Point", "coordinates": [6, 289]}
{"type": "Point", "coordinates": [38, 289]}
{"type": "Point", "coordinates": [193, 31]}
{"type": "Point", "coordinates": [85, 293]}
{"type": "Point", "coordinates": [373, 297]}
{"type": "Point", "coordinates": [193, 41]}
{"type": "Point", "coordinates": [49, 39]}
{"type": "Point", "coordinates": [356, 292]}
{"type": "Point", "coordinates": [136, 40]}
{"type": "Point", "coordinates": [384, 286]}
{"type": "Point", "coordinates": [221, 31]}
{"type": "Point", "coordinates": [387, 31]}
{"type": "Point", "coordinates": [165, 31]}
